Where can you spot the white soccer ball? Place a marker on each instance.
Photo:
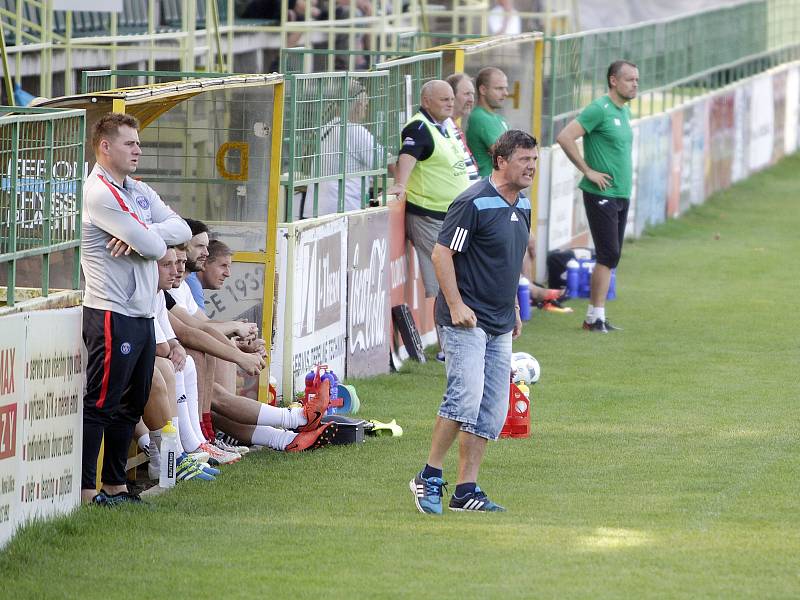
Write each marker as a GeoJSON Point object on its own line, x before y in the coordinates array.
{"type": "Point", "coordinates": [526, 368]}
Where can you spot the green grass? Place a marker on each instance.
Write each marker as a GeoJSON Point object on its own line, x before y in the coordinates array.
{"type": "Point", "coordinates": [663, 462]}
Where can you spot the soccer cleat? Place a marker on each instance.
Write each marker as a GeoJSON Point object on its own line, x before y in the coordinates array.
{"type": "Point", "coordinates": [222, 457]}
{"type": "Point", "coordinates": [226, 447]}
{"type": "Point", "coordinates": [233, 442]}
{"type": "Point", "coordinates": [111, 500]}
{"type": "Point", "coordinates": [311, 440]}
{"type": "Point", "coordinates": [199, 456]}
{"type": "Point", "coordinates": [315, 407]}
{"type": "Point", "coordinates": [611, 327]}
{"type": "Point", "coordinates": [189, 469]}
{"type": "Point", "coordinates": [598, 326]}
{"type": "Point", "coordinates": [200, 463]}
{"type": "Point", "coordinates": [476, 501]}
{"type": "Point", "coordinates": [555, 295]}
{"type": "Point", "coordinates": [428, 493]}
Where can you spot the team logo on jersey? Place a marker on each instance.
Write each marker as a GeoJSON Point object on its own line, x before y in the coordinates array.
{"type": "Point", "coordinates": [143, 202]}
{"type": "Point", "coordinates": [125, 348]}
{"type": "Point", "coordinates": [514, 217]}
{"type": "Point", "coordinates": [617, 122]}
{"type": "Point", "coordinates": [409, 142]}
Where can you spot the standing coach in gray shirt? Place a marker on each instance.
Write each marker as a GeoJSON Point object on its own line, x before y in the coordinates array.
{"type": "Point", "coordinates": [126, 229]}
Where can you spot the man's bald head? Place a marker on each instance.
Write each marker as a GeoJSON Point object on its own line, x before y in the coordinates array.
{"type": "Point", "coordinates": [437, 99]}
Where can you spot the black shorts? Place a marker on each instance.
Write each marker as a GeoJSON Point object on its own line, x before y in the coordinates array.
{"type": "Point", "coordinates": [607, 219]}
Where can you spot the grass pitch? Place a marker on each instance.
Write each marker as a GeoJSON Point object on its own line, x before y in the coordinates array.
{"type": "Point", "coordinates": [663, 460]}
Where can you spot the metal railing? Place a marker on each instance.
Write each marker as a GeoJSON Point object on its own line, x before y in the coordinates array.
{"type": "Point", "coordinates": [335, 143]}
{"type": "Point", "coordinates": [678, 58]}
{"type": "Point", "coordinates": [41, 186]}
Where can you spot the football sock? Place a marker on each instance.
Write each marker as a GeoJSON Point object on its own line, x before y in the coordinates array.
{"type": "Point", "coordinates": [590, 314]}
{"type": "Point", "coordinates": [285, 418]}
{"type": "Point", "coordinates": [176, 425]}
{"type": "Point", "coordinates": [155, 437]}
{"type": "Point", "coordinates": [190, 382]}
{"type": "Point", "coordinates": [277, 439]}
{"type": "Point", "coordinates": [599, 313]}
{"type": "Point", "coordinates": [462, 489]}
{"type": "Point", "coordinates": [185, 431]}
{"type": "Point", "coordinates": [144, 441]}
{"type": "Point", "coordinates": [430, 471]}
{"type": "Point", "coordinates": [207, 427]}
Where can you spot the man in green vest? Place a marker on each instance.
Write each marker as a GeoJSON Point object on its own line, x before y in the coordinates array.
{"type": "Point", "coordinates": [430, 173]}
{"type": "Point", "coordinates": [485, 124]}
{"type": "Point", "coordinates": [607, 169]}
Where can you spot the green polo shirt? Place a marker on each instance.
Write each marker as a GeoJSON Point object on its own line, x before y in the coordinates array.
{"type": "Point", "coordinates": [607, 146]}
{"type": "Point", "coordinates": [483, 129]}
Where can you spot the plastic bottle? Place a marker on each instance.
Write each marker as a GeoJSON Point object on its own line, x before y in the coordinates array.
{"type": "Point", "coordinates": [333, 380]}
{"type": "Point", "coordinates": [573, 278]}
{"type": "Point", "coordinates": [169, 456]}
{"type": "Point", "coordinates": [585, 286]}
{"type": "Point", "coordinates": [524, 297]}
{"type": "Point", "coordinates": [612, 287]}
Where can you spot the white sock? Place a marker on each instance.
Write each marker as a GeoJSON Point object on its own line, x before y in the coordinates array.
{"type": "Point", "coordinates": [155, 437]}
{"type": "Point", "coordinates": [187, 435]}
{"type": "Point", "coordinates": [277, 439]}
{"type": "Point", "coordinates": [190, 383]}
{"type": "Point", "coordinates": [590, 314]}
{"type": "Point", "coordinates": [144, 441]}
{"type": "Point", "coordinates": [285, 418]}
{"type": "Point", "coordinates": [600, 313]}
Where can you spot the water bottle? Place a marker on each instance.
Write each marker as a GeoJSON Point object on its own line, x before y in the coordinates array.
{"type": "Point", "coordinates": [333, 381]}
{"type": "Point", "coordinates": [612, 286]}
{"type": "Point", "coordinates": [524, 298]}
{"type": "Point", "coordinates": [169, 456]}
{"type": "Point", "coordinates": [585, 285]}
{"type": "Point", "coordinates": [573, 278]}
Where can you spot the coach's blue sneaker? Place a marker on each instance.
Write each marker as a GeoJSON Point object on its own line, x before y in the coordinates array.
{"type": "Point", "coordinates": [476, 501]}
{"type": "Point", "coordinates": [428, 493]}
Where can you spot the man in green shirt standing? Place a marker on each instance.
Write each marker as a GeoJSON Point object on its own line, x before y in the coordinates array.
{"type": "Point", "coordinates": [485, 124]}
{"type": "Point", "coordinates": [607, 178]}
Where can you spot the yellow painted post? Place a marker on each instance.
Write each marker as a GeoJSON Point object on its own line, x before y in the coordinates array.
{"type": "Point", "coordinates": [458, 60]}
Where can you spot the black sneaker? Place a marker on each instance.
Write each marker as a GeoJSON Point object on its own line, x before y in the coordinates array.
{"type": "Point", "coordinates": [440, 356]}
{"type": "Point", "coordinates": [476, 501]}
{"type": "Point", "coordinates": [611, 327]}
{"type": "Point", "coordinates": [598, 326]}
{"type": "Point", "coordinates": [117, 499]}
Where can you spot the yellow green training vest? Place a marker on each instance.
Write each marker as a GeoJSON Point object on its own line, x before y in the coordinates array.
{"type": "Point", "coordinates": [436, 181]}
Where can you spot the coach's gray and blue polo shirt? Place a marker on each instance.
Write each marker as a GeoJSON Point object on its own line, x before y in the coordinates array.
{"type": "Point", "coordinates": [489, 237]}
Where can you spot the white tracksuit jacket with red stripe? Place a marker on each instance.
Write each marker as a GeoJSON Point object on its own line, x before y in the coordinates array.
{"type": "Point", "coordinates": [135, 214]}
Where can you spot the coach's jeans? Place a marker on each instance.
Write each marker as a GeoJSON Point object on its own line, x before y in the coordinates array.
{"type": "Point", "coordinates": [478, 367]}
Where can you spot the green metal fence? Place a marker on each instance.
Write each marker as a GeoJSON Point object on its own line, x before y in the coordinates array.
{"type": "Point", "coordinates": [335, 142]}
{"type": "Point", "coordinates": [677, 58]}
{"type": "Point", "coordinates": [406, 77]}
{"type": "Point", "coordinates": [41, 158]}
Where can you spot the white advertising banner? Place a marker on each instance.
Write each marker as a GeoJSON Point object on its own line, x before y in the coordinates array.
{"type": "Point", "coordinates": [741, 132]}
{"type": "Point", "coordinates": [52, 413]}
{"type": "Point", "coordinates": [369, 323]}
{"type": "Point", "coordinates": [276, 363]}
{"type": "Point", "coordinates": [761, 123]}
{"type": "Point", "coordinates": [630, 225]}
{"type": "Point", "coordinates": [319, 321]}
{"type": "Point", "coordinates": [12, 384]}
{"type": "Point", "coordinates": [543, 205]}
{"type": "Point", "coordinates": [792, 119]}
{"type": "Point", "coordinates": [564, 178]}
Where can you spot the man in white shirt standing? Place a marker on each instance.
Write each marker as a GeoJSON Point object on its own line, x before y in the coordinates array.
{"type": "Point", "coordinates": [126, 229]}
